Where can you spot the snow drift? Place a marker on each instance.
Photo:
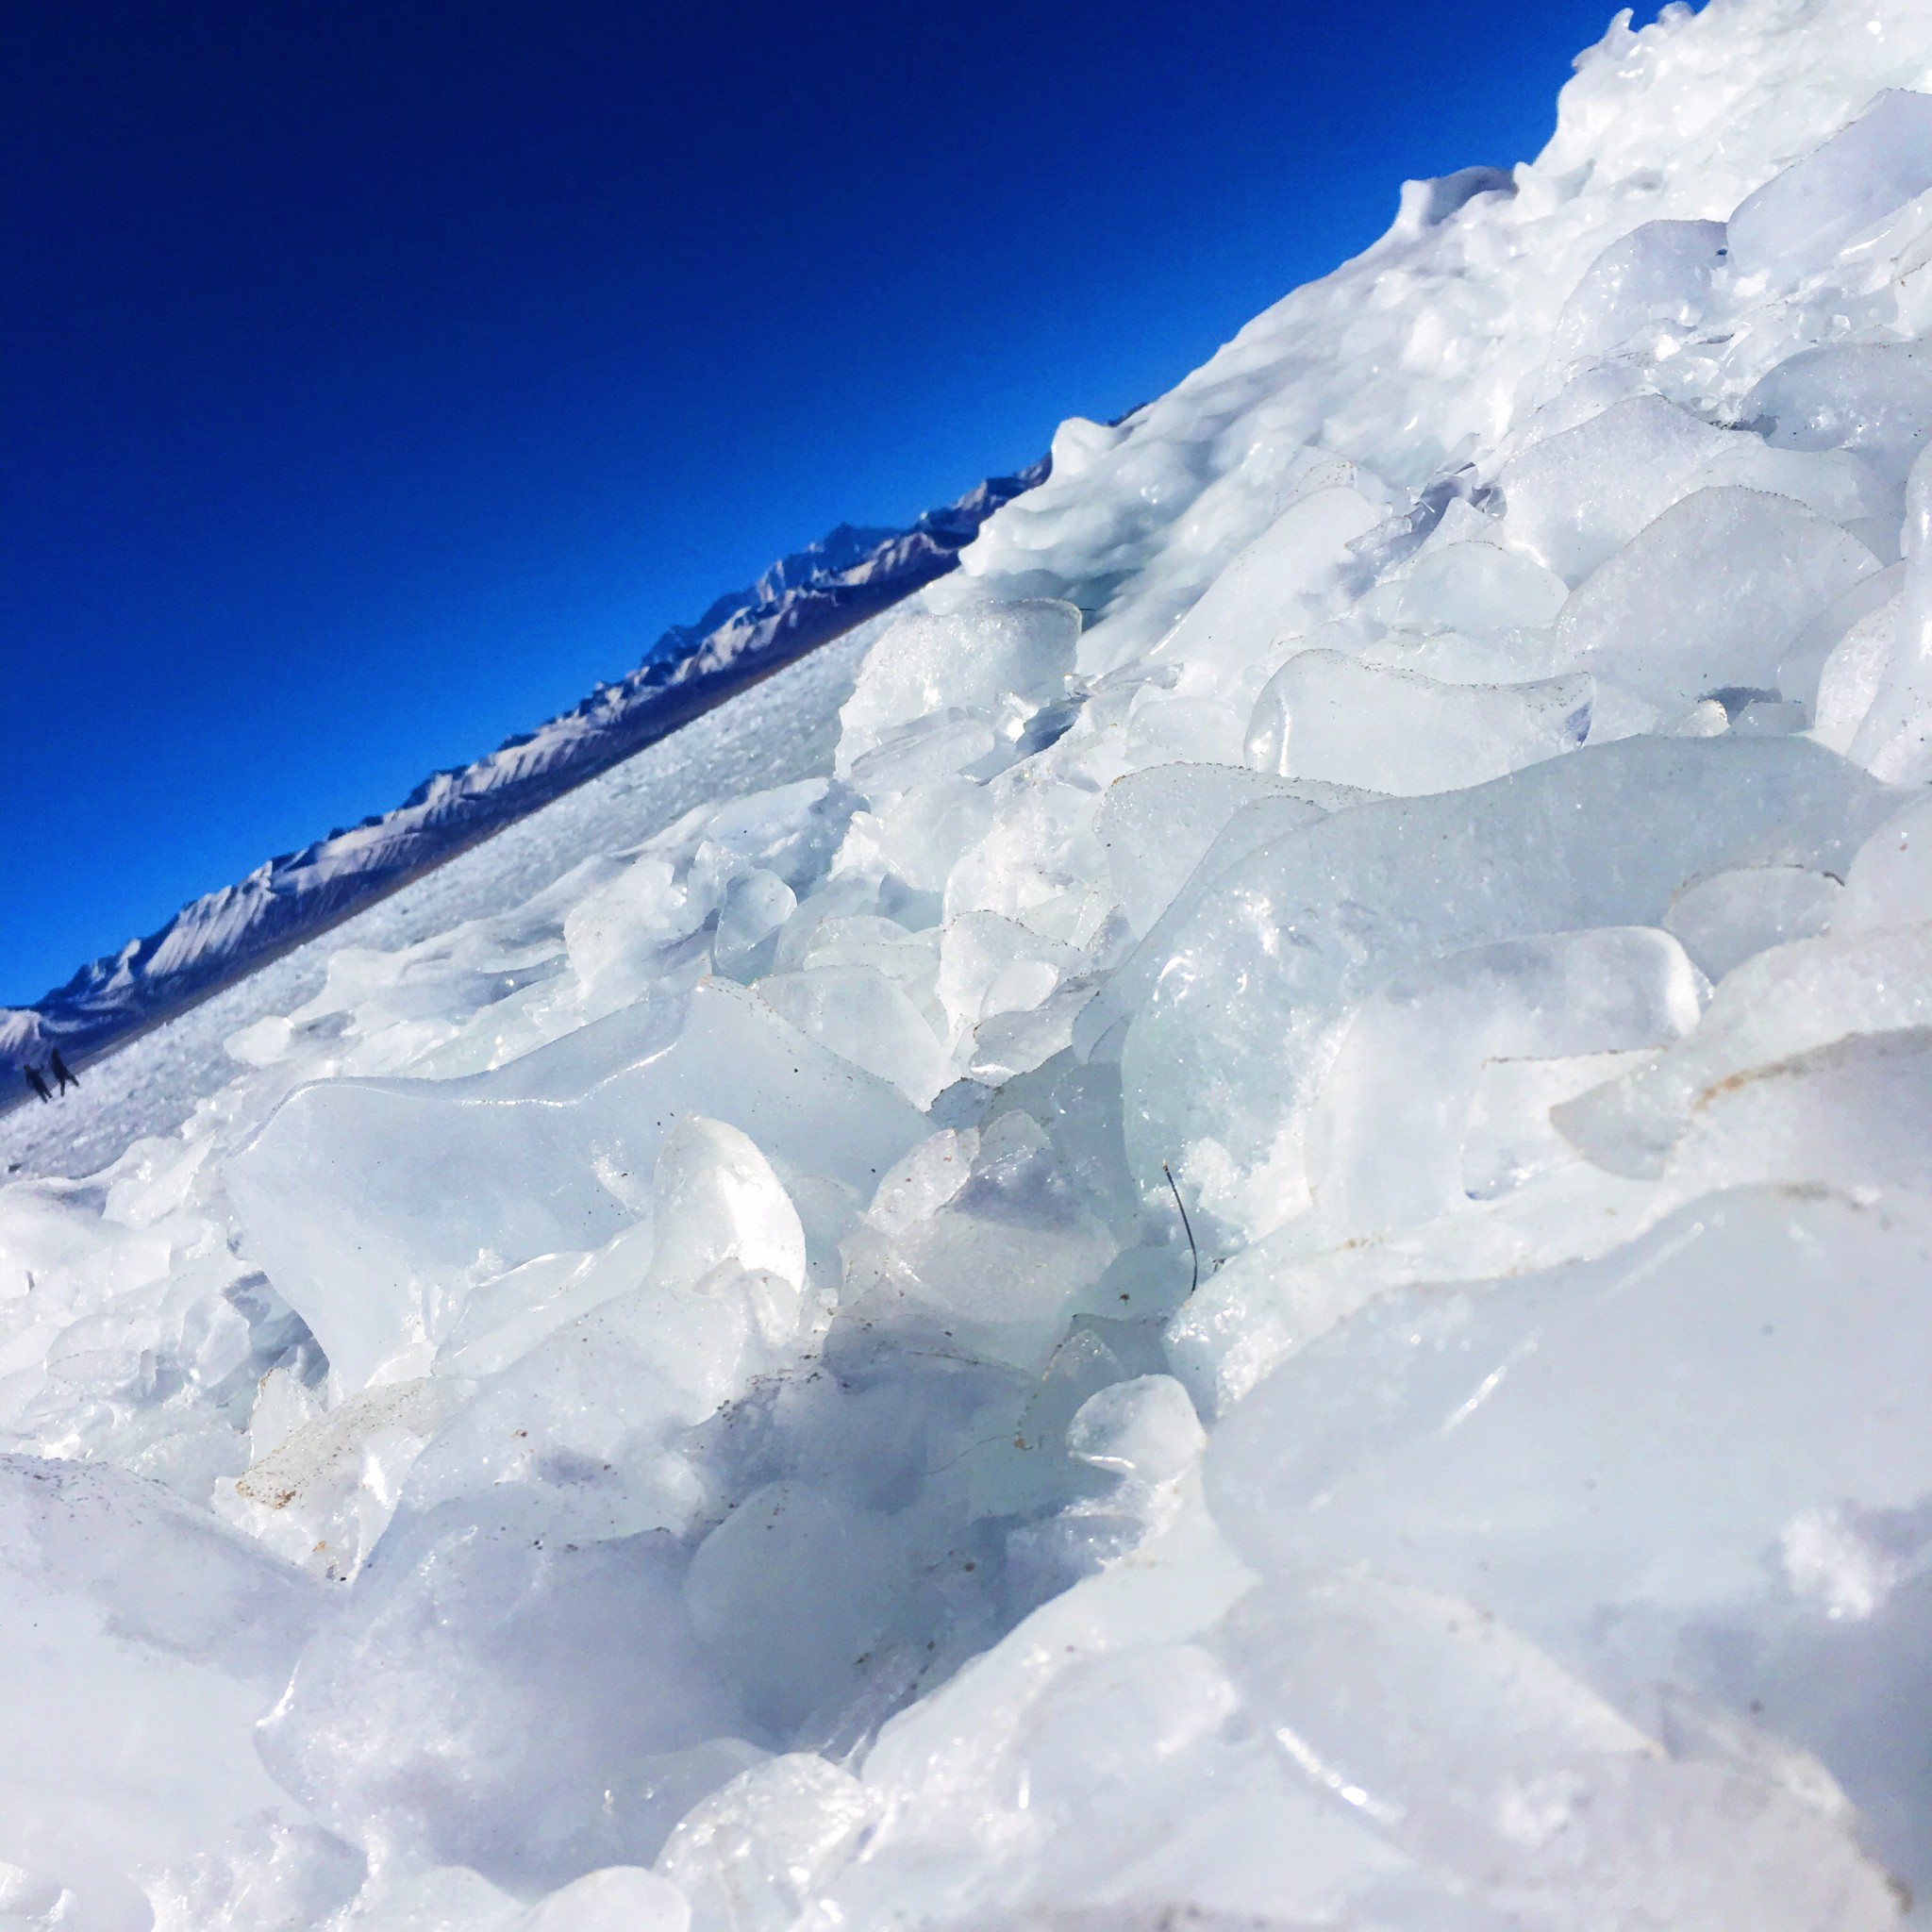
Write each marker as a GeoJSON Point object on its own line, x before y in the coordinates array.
{"type": "Point", "coordinates": [1267, 1262]}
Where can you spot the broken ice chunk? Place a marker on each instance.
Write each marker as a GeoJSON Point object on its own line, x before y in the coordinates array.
{"type": "Point", "coordinates": [858, 1013]}
{"type": "Point", "coordinates": [1164, 728]}
{"type": "Point", "coordinates": [1285, 582]}
{"type": "Point", "coordinates": [1659, 272]}
{"type": "Point", "coordinates": [756, 904]}
{"type": "Point", "coordinates": [716, 1199]}
{"type": "Point", "coordinates": [990, 965]}
{"type": "Point", "coordinates": [1851, 676]}
{"type": "Point", "coordinates": [1833, 665]}
{"type": "Point", "coordinates": [624, 934]}
{"type": "Point", "coordinates": [1508, 1138]}
{"type": "Point", "coordinates": [1481, 1756]}
{"type": "Point", "coordinates": [755, 1852]}
{"type": "Point", "coordinates": [1475, 586]}
{"type": "Point", "coordinates": [460, 1707]}
{"type": "Point", "coordinates": [1157, 824]}
{"type": "Point", "coordinates": [919, 835]}
{"type": "Point", "coordinates": [1890, 882]}
{"type": "Point", "coordinates": [1797, 223]}
{"type": "Point", "coordinates": [1296, 1284]}
{"type": "Point", "coordinates": [1872, 398]}
{"type": "Point", "coordinates": [1397, 732]}
{"type": "Point", "coordinates": [1144, 1428]}
{"type": "Point", "coordinates": [1236, 994]}
{"type": "Point", "coordinates": [323, 1497]}
{"type": "Point", "coordinates": [1386, 1135]}
{"type": "Point", "coordinates": [1576, 497]}
{"type": "Point", "coordinates": [968, 661]}
{"type": "Point", "coordinates": [1776, 1005]}
{"type": "Point", "coordinates": [144, 1640]}
{"type": "Point", "coordinates": [1659, 618]}
{"type": "Point", "coordinates": [1855, 1114]}
{"type": "Point", "coordinates": [1894, 739]}
{"type": "Point", "coordinates": [1722, 919]}
{"type": "Point", "coordinates": [827, 1571]}
{"type": "Point", "coordinates": [992, 1272]}
{"type": "Point", "coordinates": [375, 1206]}
{"type": "Point", "coordinates": [1608, 1456]}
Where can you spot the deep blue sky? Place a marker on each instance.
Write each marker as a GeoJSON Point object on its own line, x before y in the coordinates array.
{"type": "Point", "coordinates": [376, 374]}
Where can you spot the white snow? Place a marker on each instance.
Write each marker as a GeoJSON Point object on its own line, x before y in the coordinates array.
{"type": "Point", "coordinates": [660, 1379]}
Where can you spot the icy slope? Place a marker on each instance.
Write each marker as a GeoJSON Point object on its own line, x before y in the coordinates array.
{"type": "Point", "coordinates": [801, 602]}
{"type": "Point", "coordinates": [691, 1402]}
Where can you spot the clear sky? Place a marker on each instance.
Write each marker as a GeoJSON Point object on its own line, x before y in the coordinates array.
{"type": "Point", "coordinates": [378, 375]}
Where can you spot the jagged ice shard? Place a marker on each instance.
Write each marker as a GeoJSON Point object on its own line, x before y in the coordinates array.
{"type": "Point", "coordinates": [690, 1402]}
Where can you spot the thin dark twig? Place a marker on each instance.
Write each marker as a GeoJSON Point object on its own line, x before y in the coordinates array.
{"type": "Point", "coordinates": [1187, 1226]}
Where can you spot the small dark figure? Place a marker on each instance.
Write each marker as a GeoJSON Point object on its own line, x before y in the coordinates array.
{"type": "Point", "coordinates": [62, 1073]}
{"type": "Point", "coordinates": [35, 1080]}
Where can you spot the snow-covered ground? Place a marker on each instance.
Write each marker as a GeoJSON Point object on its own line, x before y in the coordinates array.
{"type": "Point", "coordinates": [1259, 1255]}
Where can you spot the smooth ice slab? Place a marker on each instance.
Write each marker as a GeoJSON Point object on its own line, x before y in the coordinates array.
{"type": "Point", "coordinates": [1697, 1462]}
{"type": "Point", "coordinates": [1386, 1137]}
{"type": "Point", "coordinates": [1331, 719]}
{"type": "Point", "coordinates": [1659, 620]}
{"type": "Point", "coordinates": [1800, 219]}
{"type": "Point", "coordinates": [1244, 986]}
{"type": "Point", "coordinates": [374, 1205]}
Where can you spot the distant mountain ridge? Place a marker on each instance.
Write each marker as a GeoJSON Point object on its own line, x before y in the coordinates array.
{"type": "Point", "coordinates": [802, 601]}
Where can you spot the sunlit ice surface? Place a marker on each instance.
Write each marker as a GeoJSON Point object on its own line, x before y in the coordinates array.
{"type": "Point", "coordinates": [1230, 1227]}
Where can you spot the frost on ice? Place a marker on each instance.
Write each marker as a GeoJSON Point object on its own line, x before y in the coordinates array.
{"type": "Point", "coordinates": [691, 1403]}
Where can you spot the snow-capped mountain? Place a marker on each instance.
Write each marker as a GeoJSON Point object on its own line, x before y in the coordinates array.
{"type": "Point", "coordinates": [802, 601]}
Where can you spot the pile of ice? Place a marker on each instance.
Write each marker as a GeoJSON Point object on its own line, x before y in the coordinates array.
{"type": "Point", "coordinates": [690, 1402]}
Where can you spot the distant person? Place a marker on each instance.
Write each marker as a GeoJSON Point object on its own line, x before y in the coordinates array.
{"type": "Point", "coordinates": [35, 1080]}
{"type": "Point", "coordinates": [62, 1072]}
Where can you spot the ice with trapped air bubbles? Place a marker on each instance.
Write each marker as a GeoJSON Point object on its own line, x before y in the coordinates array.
{"type": "Point", "coordinates": [689, 1404]}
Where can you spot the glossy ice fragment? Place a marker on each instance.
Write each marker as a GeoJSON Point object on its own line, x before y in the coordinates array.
{"type": "Point", "coordinates": [1724, 918]}
{"type": "Point", "coordinates": [1480, 1755]}
{"type": "Point", "coordinates": [969, 661]}
{"type": "Point", "coordinates": [790, 1556]}
{"type": "Point", "coordinates": [1577, 497]}
{"type": "Point", "coordinates": [375, 1206]}
{"type": "Point", "coordinates": [1694, 1397]}
{"type": "Point", "coordinates": [1474, 586]}
{"type": "Point", "coordinates": [1282, 946]}
{"type": "Point", "coordinates": [463, 1699]}
{"type": "Point", "coordinates": [1872, 398]}
{"type": "Point", "coordinates": [1800, 219]}
{"type": "Point", "coordinates": [1660, 274]}
{"type": "Point", "coordinates": [857, 1012]}
{"type": "Point", "coordinates": [715, 1199]}
{"type": "Point", "coordinates": [1387, 1129]}
{"type": "Point", "coordinates": [1778, 1004]}
{"type": "Point", "coordinates": [1145, 1428]}
{"type": "Point", "coordinates": [750, 1856]}
{"type": "Point", "coordinates": [1890, 882]}
{"type": "Point", "coordinates": [1284, 582]}
{"type": "Point", "coordinates": [1339, 721]}
{"type": "Point", "coordinates": [1834, 665]}
{"type": "Point", "coordinates": [1657, 618]}
{"type": "Point", "coordinates": [1157, 825]}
